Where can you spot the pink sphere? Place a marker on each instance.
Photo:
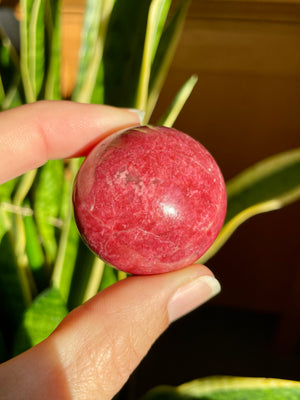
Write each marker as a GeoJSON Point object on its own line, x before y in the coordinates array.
{"type": "Point", "coordinates": [149, 200]}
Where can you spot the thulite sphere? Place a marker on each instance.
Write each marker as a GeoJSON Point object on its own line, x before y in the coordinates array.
{"type": "Point", "coordinates": [149, 200]}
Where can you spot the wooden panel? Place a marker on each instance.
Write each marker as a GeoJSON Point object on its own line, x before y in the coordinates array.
{"type": "Point", "coordinates": [246, 106]}
{"type": "Point", "coordinates": [72, 19]}
{"type": "Point", "coordinates": [249, 83]}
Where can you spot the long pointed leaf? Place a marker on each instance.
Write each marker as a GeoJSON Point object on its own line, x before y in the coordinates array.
{"type": "Point", "coordinates": [40, 320]}
{"type": "Point", "coordinates": [179, 101]}
{"type": "Point", "coordinates": [9, 61]}
{"type": "Point", "coordinates": [268, 185]}
{"type": "Point", "coordinates": [13, 292]}
{"type": "Point", "coordinates": [66, 258]}
{"type": "Point", "coordinates": [34, 251]}
{"type": "Point", "coordinates": [68, 244]}
{"type": "Point", "coordinates": [14, 96]}
{"type": "Point", "coordinates": [89, 78]}
{"type": "Point", "coordinates": [228, 388]}
{"type": "Point", "coordinates": [81, 275]}
{"type": "Point", "coordinates": [32, 47]}
{"type": "Point", "coordinates": [156, 19]}
{"type": "Point", "coordinates": [53, 30]}
{"type": "Point", "coordinates": [10, 74]}
{"type": "Point", "coordinates": [123, 51]}
{"type": "Point", "coordinates": [6, 190]}
{"type": "Point", "coordinates": [47, 202]}
{"type": "Point", "coordinates": [164, 55]}
{"type": "Point", "coordinates": [89, 48]}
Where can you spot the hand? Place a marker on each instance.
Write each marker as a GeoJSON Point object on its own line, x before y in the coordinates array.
{"type": "Point", "coordinates": [97, 346]}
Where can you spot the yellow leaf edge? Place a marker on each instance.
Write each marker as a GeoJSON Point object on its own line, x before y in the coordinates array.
{"type": "Point", "coordinates": [230, 227]}
{"type": "Point", "coordinates": [222, 383]}
{"type": "Point", "coordinates": [246, 178]}
{"type": "Point", "coordinates": [262, 169]}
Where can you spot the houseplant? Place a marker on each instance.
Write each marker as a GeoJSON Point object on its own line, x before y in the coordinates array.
{"type": "Point", "coordinates": [40, 276]}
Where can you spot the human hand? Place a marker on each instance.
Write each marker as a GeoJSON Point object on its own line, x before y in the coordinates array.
{"type": "Point", "coordinates": [97, 346]}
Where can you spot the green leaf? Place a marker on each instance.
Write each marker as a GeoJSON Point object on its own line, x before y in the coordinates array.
{"type": "Point", "coordinates": [164, 54]}
{"type": "Point", "coordinates": [81, 275]}
{"type": "Point", "coordinates": [156, 18]}
{"type": "Point", "coordinates": [68, 244]}
{"type": "Point", "coordinates": [13, 291]}
{"type": "Point", "coordinates": [47, 203]}
{"type": "Point", "coordinates": [89, 84]}
{"type": "Point", "coordinates": [269, 185]}
{"type": "Point", "coordinates": [9, 61]}
{"type": "Point", "coordinates": [228, 388]}
{"type": "Point", "coordinates": [14, 96]}
{"type": "Point", "coordinates": [15, 283]}
{"type": "Point", "coordinates": [123, 51]}
{"type": "Point", "coordinates": [40, 320]}
{"type": "Point", "coordinates": [90, 53]}
{"type": "Point", "coordinates": [32, 47]}
{"type": "Point", "coordinates": [5, 221]}
{"type": "Point", "coordinates": [95, 278]}
{"type": "Point", "coordinates": [34, 249]}
{"type": "Point", "coordinates": [66, 258]}
{"type": "Point", "coordinates": [53, 31]}
{"type": "Point", "coordinates": [6, 190]}
{"type": "Point", "coordinates": [10, 91]}
{"type": "Point", "coordinates": [159, 17]}
{"type": "Point", "coordinates": [179, 101]}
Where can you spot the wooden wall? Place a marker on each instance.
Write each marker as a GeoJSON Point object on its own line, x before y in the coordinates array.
{"type": "Point", "coordinates": [245, 107]}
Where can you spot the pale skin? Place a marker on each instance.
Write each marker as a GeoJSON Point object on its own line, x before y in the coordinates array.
{"type": "Point", "coordinates": [98, 345]}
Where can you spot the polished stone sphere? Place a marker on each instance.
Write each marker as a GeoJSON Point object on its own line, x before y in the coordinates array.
{"type": "Point", "coordinates": [149, 200]}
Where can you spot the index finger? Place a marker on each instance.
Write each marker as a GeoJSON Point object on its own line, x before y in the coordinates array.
{"type": "Point", "coordinates": [34, 133]}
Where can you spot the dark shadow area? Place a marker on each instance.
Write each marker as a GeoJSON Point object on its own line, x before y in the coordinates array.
{"type": "Point", "coordinates": [215, 341]}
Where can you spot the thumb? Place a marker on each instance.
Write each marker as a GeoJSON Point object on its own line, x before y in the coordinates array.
{"type": "Point", "coordinates": [98, 345]}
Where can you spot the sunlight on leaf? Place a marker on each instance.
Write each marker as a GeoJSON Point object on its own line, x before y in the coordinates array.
{"type": "Point", "coordinates": [156, 18]}
{"type": "Point", "coordinates": [164, 54]}
{"type": "Point", "coordinates": [68, 243]}
{"type": "Point", "coordinates": [32, 47]}
{"type": "Point", "coordinates": [96, 20]}
{"type": "Point", "coordinates": [53, 30]}
{"type": "Point", "coordinates": [179, 101]}
{"type": "Point", "coordinates": [228, 388]}
{"type": "Point", "coordinates": [47, 202]}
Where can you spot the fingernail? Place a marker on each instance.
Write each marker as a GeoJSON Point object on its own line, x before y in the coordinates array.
{"type": "Point", "coordinates": [192, 295]}
{"type": "Point", "coordinates": [140, 113]}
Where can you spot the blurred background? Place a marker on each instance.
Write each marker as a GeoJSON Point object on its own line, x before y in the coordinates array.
{"type": "Point", "coordinates": [245, 107]}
